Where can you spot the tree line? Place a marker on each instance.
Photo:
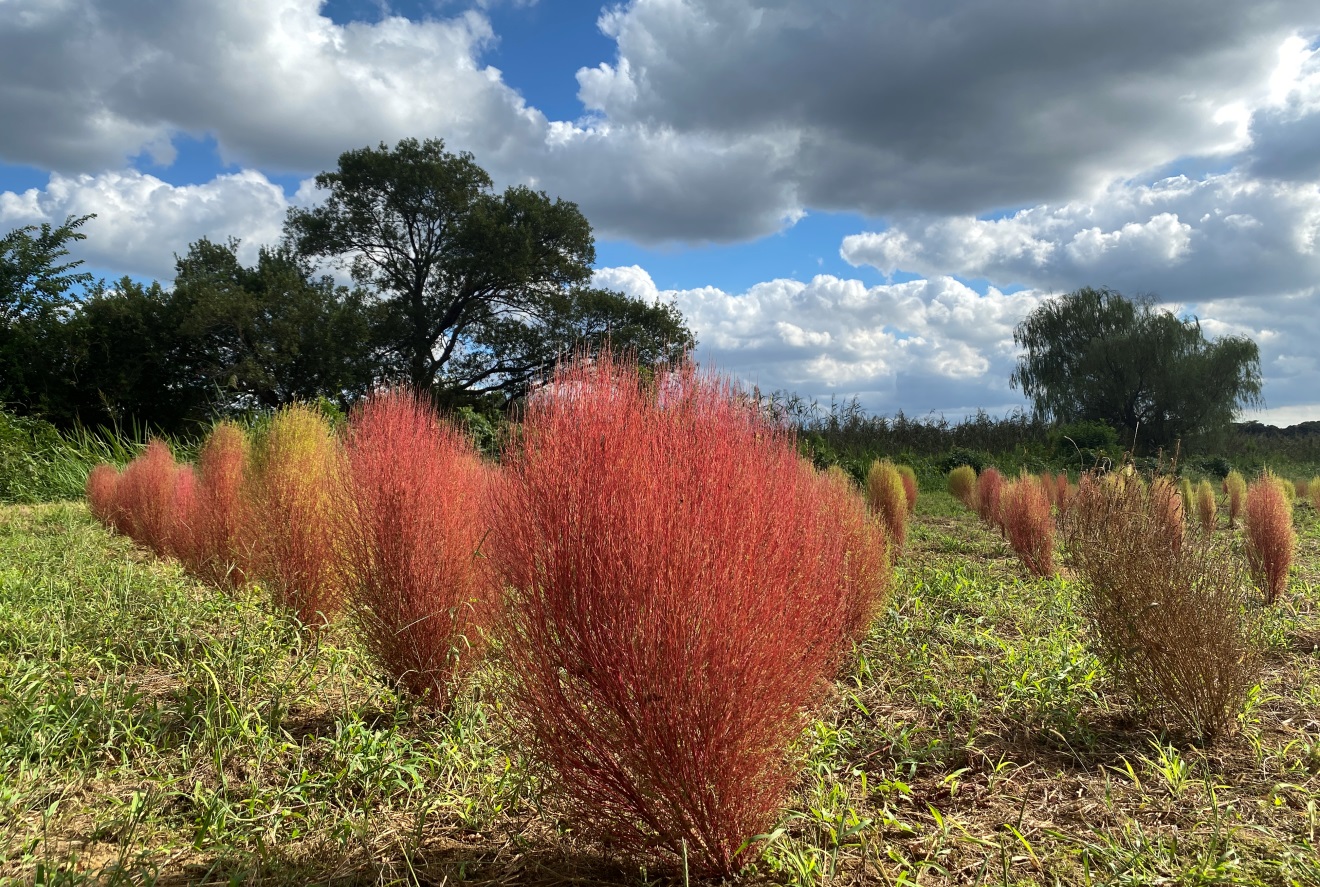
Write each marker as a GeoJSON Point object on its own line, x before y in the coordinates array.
{"type": "Point", "coordinates": [454, 289]}
{"type": "Point", "coordinates": [469, 293]}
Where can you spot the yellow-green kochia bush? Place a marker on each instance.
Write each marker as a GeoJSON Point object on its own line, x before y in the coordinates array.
{"type": "Point", "coordinates": [293, 513]}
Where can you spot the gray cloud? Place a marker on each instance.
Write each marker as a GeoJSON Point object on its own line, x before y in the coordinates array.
{"type": "Point", "coordinates": [717, 121]}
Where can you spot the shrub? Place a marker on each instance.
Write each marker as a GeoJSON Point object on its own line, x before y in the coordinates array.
{"type": "Point", "coordinates": [1056, 489]}
{"type": "Point", "coordinates": [962, 485]}
{"type": "Point", "coordinates": [292, 510]}
{"type": "Point", "coordinates": [1236, 488]}
{"type": "Point", "coordinates": [1206, 507]}
{"type": "Point", "coordinates": [1313, 491]}
{"type": "Point", "coordinates": [222, 534]}
{"type": "Point", "coordinates": [989, 487]}
{"type": "Point", "coordinates": [416, 581]}
{"type": "Point", "coordinates": [1270, 540]}
{"type": "Point", "coordinates": [1302, 487]}
{"type": "Point", "coordinates": [680, 588]}
{"type": "Point", "coordinates": [1166, 502]}
{"type": "Point", "coordinates": [1170, 622]}
{"type": "Point", "coordinates": [1188, 496]}
{"type": "Point", "coordinates": [146, 489]}
{"type": "Point", "coordinates": [1025, 511]}
{"type": "Point", "coordinates": [888, 498]}
{"type": "Point", "coordinates": [102, 493]}
{"type": "Point", "coordinates": [181, 541]}
{"type": "Point", "coordinates": [909, 477]}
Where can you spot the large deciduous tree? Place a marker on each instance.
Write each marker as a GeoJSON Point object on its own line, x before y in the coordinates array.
{"type": "Point", "coordinates": [37, 283]}
{"type": "Point", "coordinates": [480, 290]}
{"type": "Point", "coordinates": [1094, 355]}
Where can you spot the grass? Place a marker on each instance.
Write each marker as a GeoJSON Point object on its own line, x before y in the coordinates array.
{"type": "Point", "coordinates": [155, 730]}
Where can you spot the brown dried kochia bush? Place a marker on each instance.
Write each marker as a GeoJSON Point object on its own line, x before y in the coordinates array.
{"type": "Point", "coordinates": [1171, 622]}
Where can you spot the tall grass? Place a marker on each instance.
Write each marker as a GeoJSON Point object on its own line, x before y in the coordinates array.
{"type": "Point", "coordinates": [1235, 487]}
{"type": "Point", "coordinates": [1206, 507]}
{"type": "Point", "coordinates": [681, 589]}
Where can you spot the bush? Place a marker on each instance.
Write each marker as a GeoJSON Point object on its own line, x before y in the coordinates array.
{"type": "Point", "coordinates": [681, 590]}
{"type": "Point", "coordinates": [1166, 500]}
{"type": "Point", "coordinates": [1206, 506]}
{"type": "Point", "coordinates": [974, 459]}
{"type": "Point", "coordinates": [1170, 622]}
{"type": "Point", "coordinates": [1236, 488]}
{"type": "Point", "coordinates": [989, 487]}
{"type": "Point", "coordinates": [181, 542]}
{"type": "Point", "coordinates": [1025, 511]}
{"type": "Point", "coordinates": [222, 543]}
{"type": "Point", "coordinates": [414, 521]}
{"type": "Point", "coordinates": [888, 498]}
{"type": "Point", "coordinates": [145, 497]}
{"type": "Point", "coordinates": [1268, 525]}
{"type": "Point", "coordinates": [909, 477]}
{"type": "Point", "coordinates": [962, 485]}
{"type": "Point", "coordinates": [296, 465]}
{"type": "Point", "coordinates": [102, 493]}
{"type": "Point", "coordinates": [1313, 491]}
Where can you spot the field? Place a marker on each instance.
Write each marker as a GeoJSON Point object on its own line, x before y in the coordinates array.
{"type": "Point", "coordinates": [156, 730]}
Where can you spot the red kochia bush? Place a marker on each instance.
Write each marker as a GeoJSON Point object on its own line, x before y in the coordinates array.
{"type": "Point", "coordinates": [1024, 508]}
{"type": "Point", "coordinates": [181, 541]}
{"type": "Point", "coordinates": [145, 495]}
{"type": "Point", "coordinates": [102, 493]}
{"type": "Point", "coordinates": [414, 521]}
{"type": "Point", "coordinates": [221, 549]}
{"type": "Point", "coordinates": [1267, 521]}
{"type": "Point", "coordinates": [989, 487]}
{"type": "Point", "coordinates": [681, 591]}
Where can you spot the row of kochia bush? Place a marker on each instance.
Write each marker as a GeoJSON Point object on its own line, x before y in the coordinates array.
{"type": "Point", "coordinates": [1027, 511]}
{"type": "Point", "coordinates": [670, 586]}
{"type": "Point", "coordinates": [1170, 606]}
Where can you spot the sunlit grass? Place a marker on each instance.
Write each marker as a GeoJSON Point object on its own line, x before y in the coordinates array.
{"type": "Point", "coordinates": [156, 729]}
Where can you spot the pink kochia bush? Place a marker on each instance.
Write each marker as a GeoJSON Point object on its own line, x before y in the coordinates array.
{"type": "Point", "coordinates": [681, 589]}
{"type": "Point", "coordinates": [144, 497]}
{"type": "Point", "coordinates": [293, 511]}
{"type": "Point", "coordinates": [1024, 508]}
{"type": "Point", "coordinates": [221, 538]}
{"type": "Point", "coordinates": [989, 488]}
{"type": "Point", "coordinates": [1268, 524]}
{"type": "Point", "coordinates": [414, 521]}
{"type": "Point", "coordinates": [103, 493]}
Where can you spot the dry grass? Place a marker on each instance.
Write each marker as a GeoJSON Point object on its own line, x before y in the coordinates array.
{"type": "Point", "coordinates": [1169, 614]}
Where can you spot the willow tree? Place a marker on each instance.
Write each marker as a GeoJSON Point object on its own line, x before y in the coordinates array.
{"type": "Point", "coordinates": [1095, 355]}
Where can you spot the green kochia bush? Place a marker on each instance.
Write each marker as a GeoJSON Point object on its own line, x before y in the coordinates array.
{"type": "Point", "coordinates": [682, 588]}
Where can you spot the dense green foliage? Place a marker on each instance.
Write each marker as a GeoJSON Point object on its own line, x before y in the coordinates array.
{"type": "Point", "coordinates": [460, 291]}
{"type": "Point", "coordinates": [479, 291]}
{"type": "Point", "coordinates": [1097, 356]}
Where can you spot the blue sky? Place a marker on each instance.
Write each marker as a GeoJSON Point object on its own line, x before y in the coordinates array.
{"type": "Point", "coordinates": [855, 199]}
